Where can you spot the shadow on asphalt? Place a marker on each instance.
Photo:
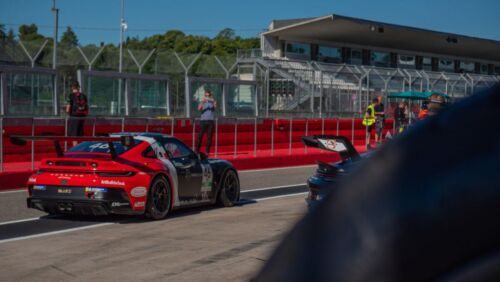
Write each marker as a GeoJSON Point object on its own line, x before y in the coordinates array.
{"type": "Point", "coordinates": [137, 219]}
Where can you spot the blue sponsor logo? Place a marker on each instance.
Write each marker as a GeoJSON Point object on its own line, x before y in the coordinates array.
{"type": "Point", "coordinates": [96, 189]}
{"type": "Point", "coordinates": [39, 187]}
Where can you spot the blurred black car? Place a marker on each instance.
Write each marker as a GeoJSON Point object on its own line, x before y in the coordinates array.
{"type": "Point", "coordinates": [327, 175]}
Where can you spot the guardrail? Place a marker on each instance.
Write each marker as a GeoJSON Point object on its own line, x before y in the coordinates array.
{"type": "Point", "coordinates": [232, 136]}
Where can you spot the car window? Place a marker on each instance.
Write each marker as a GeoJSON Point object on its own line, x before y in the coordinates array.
{"type": "Point", "coordinates": [176, 149]}
{"type": "Point", "coordinates": [101, 147]}
{"type": "Point", "coordinates": [149, 153]}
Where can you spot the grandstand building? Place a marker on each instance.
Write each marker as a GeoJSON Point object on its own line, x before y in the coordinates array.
{"type": "Point", "coordinates": [334, 65]}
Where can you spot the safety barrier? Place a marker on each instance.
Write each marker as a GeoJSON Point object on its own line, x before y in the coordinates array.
{"type": "Point", "coordinates": [233, 137]}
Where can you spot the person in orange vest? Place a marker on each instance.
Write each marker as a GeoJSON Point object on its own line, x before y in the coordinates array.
{"type": "Point", "coordinates": [369, 121]}
{"type": "Point", "coordinates": [424, 111]}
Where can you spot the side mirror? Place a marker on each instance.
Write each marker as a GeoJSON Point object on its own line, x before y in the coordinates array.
{"type": "Point", "coordinates": [202, 156]}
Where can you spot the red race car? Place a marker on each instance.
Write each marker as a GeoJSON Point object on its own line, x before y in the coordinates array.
{"type": "Point", "coordinates": [128, 173]}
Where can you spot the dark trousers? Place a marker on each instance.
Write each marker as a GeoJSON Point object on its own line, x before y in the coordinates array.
{"type": "Point", "coordinates": [207, 126]}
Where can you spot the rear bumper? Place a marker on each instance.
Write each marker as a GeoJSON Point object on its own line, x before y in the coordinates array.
{"type": "Point", "coordinates": [75, 200]}
{"type": "Point", "coordinates": [81, 206]}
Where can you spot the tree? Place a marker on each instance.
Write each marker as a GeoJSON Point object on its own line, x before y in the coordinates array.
{"type": "Point", "coordinates": [29, 33]}
{"type": "Point", "coordinates": [69, 38]}
{"type": "Point", "coordinates": [227, 33]}
{"type": "Point", "coordinates": [2, 32]}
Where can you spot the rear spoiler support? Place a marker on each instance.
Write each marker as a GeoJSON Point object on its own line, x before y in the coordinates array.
{"type": "Point", "coordinates": [339, 144]}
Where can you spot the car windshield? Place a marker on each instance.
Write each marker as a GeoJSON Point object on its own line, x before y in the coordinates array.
{"type": "Point", "coordinates": [100, 147]}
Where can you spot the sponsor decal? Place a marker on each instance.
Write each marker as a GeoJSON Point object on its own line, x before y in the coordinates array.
{"type": "Point", "coordinates": [39, 187]}
{"type": "Point", "coordinates": [333, 145]}
{"type": "Point", "coordinates": [31, 179]}
{"type": "Point", "coordinates": [113, 182]}
{"type": "Point", "coordinates": [118, 204]}
{"type": "Point", "coordinates": [64, 191]}
{"type": "Point", "coordinates": [96, 189]}
{"type": "Point", "coordinates": [207, 178]}
{"type": "Point", "coordinates": [139, 204]}
{"type": "Point", "coordinates": [64, 182]}
{"type": "Point", "coordinates": [138, 192]}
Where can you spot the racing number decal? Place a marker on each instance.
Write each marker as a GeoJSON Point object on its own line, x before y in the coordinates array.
{"type": "Point", "coordinates": [207, 178]}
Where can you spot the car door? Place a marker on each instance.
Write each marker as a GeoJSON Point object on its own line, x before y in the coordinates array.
{"type": "Point", "coordinates": [189, 170]}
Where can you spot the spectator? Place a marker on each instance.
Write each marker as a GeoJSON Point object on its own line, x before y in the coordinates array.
{"type": "Point", "coordinates": [401, 117]}
{"type": "Point", "coordinates": [207, 108]}
{"type": "Point", "coordinates": [369, 121]}
{"type": "Point", "coordinates": [424, 111]}
{"type": "Point", "coordinates": [78, 109]}
{"type": "Point", "coordinates": [379, 120]}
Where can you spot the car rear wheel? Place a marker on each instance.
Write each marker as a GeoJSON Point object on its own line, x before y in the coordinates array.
{"type": "Point", "coordinates": [159, 199]}
{"type": "Point", "coordinates": [229, 193]}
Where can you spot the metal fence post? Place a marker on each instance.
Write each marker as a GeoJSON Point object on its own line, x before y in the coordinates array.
{"type": "Point", "coordinates": [216, 136]}
{"type": "Point", "coordinates": [172, 127]}
{"type": "Point", "coordinates": [33, 144]}
{"type": "Point", "coordinates": [322, 126]}
{"type": "Point", "coordinates": [338, 126]}
{"type": "Point", "coordinates": [272, 137]}
{"type": "Point", "coordinates": [93, 127]}
{"type": "Point", "coordinates": [147, 125]}
{"type": "Point", "coordinates": [123, 124]}
{"type": "Point", "coordinates": [235, 137]}
{"type": "Point", "coordinates": [352, 131]}
{"type": "Point", "coordinates": [255, 138]}
{"type": "Point", "coordinates": [290, 139]}
{"type": "Point", "coordinates": [307, 133]}
{"type": "Point", "coordinates": [194, 126]}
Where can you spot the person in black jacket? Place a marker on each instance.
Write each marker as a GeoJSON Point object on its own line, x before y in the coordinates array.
{"type": "Point", "coordinates": [77, 109]}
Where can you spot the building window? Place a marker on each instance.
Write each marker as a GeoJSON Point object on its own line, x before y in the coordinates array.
{"type": "Point", "coordinates": [446, 65]}
{"type": "Point", "coordinates": [468, 67]}
{"type": "Point", "coordinates": [356, 57]}
{"type": "Point", "coordinates": [380, 59]}
{"type": "Point", "coordinates": [330, 54]}
{"type": "Point", "coordinates": [298, 50]}
{"type": "Point", "coordinates": [483, 68]}
{"type": "Point", "coordinates": [406, 61]}
{"type": "Point", "coordinates": [427, 63]}
{"type": "Point", "coordinates": [497, 70]}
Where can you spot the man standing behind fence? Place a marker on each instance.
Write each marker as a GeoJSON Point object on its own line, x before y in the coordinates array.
{"type": "Point", "coordinates": [207, 108]}
{"type": "Point", "coordinates": [379, 120]}
{"type": "Point", "coordinates": [78, 109]}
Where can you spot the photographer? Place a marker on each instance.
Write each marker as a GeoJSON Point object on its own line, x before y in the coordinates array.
{"type": "Point", "coordinates": [207, 107]}
{"type": "Point", "coordinates": [78, 109]}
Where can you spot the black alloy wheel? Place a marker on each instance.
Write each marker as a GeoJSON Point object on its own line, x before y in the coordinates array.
{"type": "Point", "coordinates": [229, 193]}
{"type": "Point", "coordinates": [159, 199]}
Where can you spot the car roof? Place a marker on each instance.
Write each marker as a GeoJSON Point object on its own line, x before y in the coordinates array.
{"type": "Point", "coordinates": [155, 135]}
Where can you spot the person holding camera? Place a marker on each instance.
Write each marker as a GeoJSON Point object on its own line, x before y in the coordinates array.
{"type": "Point", "coordinates": [77, 109]}
{"type": "Point", "coordinates": [207, 107]}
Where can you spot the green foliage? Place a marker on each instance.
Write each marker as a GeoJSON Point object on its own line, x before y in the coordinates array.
{"type": "Point", "coordinates": [69, 38]}
{"type": "Point", "coordinates": [29, 33]}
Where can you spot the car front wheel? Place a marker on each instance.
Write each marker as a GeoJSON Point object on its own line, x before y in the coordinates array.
{"type": "Point", "coordinates": [229, 193]}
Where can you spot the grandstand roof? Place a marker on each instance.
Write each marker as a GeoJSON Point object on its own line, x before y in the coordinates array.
{"type": "Point", "coordinates": [344, 29]}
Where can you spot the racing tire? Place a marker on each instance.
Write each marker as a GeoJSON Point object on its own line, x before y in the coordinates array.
{"type": "Point", "coordinates": [229, 193]}
{"type": "Point", "coordinates": [159, 199]}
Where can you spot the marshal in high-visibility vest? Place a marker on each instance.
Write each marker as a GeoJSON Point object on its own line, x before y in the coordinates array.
{"type": "Point", "coordinates": [369, 118]}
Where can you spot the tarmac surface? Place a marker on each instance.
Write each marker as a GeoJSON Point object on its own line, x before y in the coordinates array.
{"type": "Point", "coordinates": [209, 244]}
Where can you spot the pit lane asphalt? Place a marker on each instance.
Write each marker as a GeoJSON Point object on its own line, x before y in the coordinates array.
{"type": "Point", "coordinates": [19, 222]}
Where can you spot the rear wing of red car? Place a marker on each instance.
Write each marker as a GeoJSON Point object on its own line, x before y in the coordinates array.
{"type": "Point", "coordinates": [126, 141]}
{"type": "Point", "coordinates": [339, 144]}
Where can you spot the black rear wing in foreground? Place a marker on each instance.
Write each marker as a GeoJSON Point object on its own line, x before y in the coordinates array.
{"type": "Point", "coordinates": [339, 144]}
{"type": "Point", "coordinates": [126, 141]}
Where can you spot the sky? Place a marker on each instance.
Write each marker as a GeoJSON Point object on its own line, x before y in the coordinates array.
{"type": "Point", "coordinates": [96, 21]}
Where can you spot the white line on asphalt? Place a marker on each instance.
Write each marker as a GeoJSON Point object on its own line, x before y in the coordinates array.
{"type": "Point", "coordinates": [20, 220]}
{"type": "Point", "coordinates": [271, 188]}
{"type": "Point", "coordinates": [277, 168]}
{"type": "Point", "coordinates": [54, 232]}
{"type": "Point", "coordinates": [14, 191]}
{"type": "Point", "coordinates": [282, 196]}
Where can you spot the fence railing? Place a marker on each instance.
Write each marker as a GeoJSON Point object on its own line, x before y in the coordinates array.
{"type": "Point", "coordinates": [233, 137]}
